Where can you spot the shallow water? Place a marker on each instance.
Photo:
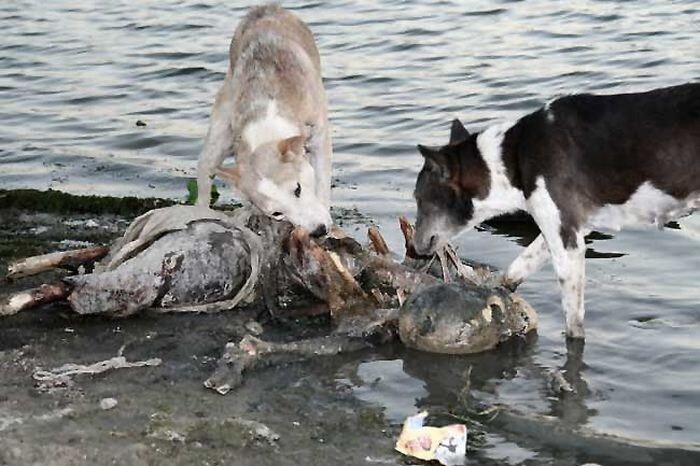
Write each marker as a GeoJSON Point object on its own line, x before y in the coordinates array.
{"type": "Point", "coordinates": [75, 78]}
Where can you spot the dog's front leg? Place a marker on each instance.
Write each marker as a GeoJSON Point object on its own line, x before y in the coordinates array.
{"type": "Point", "coordinates": [528, 262]}
{"type": "Point", "coordinates": [320, 156]}
{"type": "Point", "coordinates": [217, 144]}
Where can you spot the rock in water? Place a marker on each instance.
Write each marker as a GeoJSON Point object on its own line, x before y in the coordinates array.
{"type": "Point", "coordinates": [457, 318]}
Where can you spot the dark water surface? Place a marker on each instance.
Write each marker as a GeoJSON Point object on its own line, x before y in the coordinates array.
{"type": "Point", "coordinates": [75, 76]}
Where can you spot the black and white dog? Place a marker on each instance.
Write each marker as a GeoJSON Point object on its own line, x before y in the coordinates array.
{"type": "Point", "coordinates": [581, 162]}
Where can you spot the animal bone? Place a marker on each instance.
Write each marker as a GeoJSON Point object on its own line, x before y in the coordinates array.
{"type": "Point", "coordinates": [70, 260]}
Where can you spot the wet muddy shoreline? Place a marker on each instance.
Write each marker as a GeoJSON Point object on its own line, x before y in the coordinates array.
{"type": "Point", "coordinates": [115, 101]}
{"type": "Point", "coordinates": [164, 414]}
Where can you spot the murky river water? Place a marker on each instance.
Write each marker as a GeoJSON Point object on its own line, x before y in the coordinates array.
{"type": "Point", "coordinates": [75, 76]}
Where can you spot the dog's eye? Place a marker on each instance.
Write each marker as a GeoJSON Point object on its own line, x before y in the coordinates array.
{"type": "Point", "coordinates": [297, 191]}
{"type": "Point", "coordinates": [277, 215]}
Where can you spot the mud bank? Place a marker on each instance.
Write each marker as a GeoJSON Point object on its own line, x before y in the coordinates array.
{"type": "Point", "coordinates": [315, 412]}
{"type": "Point", "coordinates": [163, 414]}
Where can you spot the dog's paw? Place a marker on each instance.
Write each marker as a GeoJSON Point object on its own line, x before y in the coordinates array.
{"type": "Point", "coordinates": [575, 331]}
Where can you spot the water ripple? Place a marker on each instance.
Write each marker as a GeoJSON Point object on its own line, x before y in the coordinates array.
{"type": "Point", "coordinates": [74, 79]}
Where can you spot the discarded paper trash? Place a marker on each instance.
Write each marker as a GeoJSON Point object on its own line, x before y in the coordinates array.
{"type": "Point", "coordinates": [448, 444]}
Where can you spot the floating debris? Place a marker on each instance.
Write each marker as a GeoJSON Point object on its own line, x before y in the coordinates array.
{"type": "Point", "coordinates": [447, 445]}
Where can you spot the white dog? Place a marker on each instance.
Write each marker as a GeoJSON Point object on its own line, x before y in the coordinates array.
{"type": "Point", "coordinates": [271, 113]}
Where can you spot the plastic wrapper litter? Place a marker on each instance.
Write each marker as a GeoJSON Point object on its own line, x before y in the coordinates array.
{"type": "Point", "coordinates": [448, 444]}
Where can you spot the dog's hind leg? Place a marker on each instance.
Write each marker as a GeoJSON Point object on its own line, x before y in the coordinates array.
{"type": "Point", "coordinates": [569, 264]}
{"type": "Point", "coordinates": [217, 144]}
{"type": "Point", "coordinates": [528, 262]}
{"type": "Point", "coordinates": [567, 250]}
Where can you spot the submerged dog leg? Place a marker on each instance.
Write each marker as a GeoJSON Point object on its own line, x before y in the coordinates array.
{"type": "Point", "coordinates": [570, 267]}
{"type": "Point", "coordinates": [571, 270]}
{"type": "Point", "coordinates": [528, 262]}
{"type": "Point", "coordinates": [65, 259]}
{"type": "Point", "coordinates": [217, 144]}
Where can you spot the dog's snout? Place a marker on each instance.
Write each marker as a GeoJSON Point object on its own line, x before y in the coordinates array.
{"type": "Point", "coordinates": [321, 230]}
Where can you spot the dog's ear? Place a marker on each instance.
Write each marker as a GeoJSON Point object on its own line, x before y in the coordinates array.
{"type": "Point", "coordinates": [433, 155]}
{"type": "Point", "coordinates": [458, 132]}
{"type": "Point", "coordinates": [232, 174]}
{"type": "Point", "coordinates": [435, 160]}
{"type": "Point", "coordinates": [291, 149]}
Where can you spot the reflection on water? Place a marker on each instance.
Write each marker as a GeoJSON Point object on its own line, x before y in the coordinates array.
{"type": "Point", "coordinates": [522, 229]}
{"type": "Point", "coordinates": [75, 78]}
{"type": "Point", "coordinates": [513, 407]}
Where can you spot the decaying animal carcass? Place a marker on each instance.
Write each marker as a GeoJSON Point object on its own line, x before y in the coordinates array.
{"type": "Point", "coordinates": [456, 318]}
{"type": "Point", "coordinates": [175, 258]}
{"type": "Point", "coordinates": [191, 258]}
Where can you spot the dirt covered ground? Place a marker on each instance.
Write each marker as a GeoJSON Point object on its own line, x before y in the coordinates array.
{"type": "Point", "coordinates": [295, 414]}
{"type": "Point", "coordinates": [319, 412]}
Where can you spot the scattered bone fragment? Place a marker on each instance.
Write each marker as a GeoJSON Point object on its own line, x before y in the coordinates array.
{"type": "Point", "coordinates": [64, 373]}
{"type": "Point", "coordinates": [29, 299]}
{"type": "Point", "coordinates": [65, 259]}
{"type": "Point", "coordinates": [377, 241]}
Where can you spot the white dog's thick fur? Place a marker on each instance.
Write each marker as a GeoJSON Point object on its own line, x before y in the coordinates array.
{"type": "Point", "coordinates": [271, 113]}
